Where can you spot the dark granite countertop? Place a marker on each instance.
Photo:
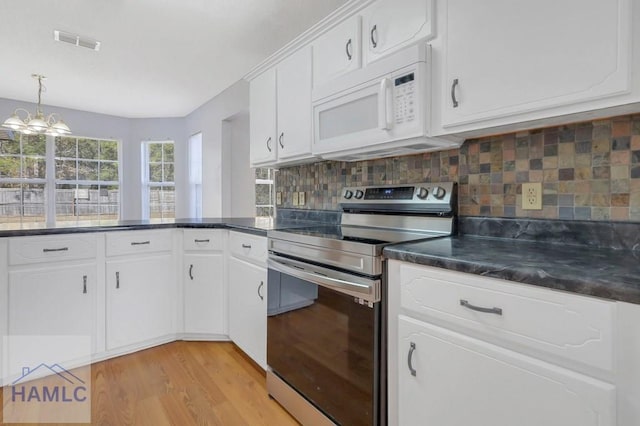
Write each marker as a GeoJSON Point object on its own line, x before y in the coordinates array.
{"type": "Point", "coordinates": [258, 226]}
{"type": "Point", "coordinates": [594, 271]}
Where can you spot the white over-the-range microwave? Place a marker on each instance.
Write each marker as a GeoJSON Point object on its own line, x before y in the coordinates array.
{"type": "Point", "coordinates": [380, 110]}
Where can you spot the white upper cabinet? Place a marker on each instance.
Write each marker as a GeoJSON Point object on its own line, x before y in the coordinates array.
{"type": "Point", "coordinates": [389, 25]}
{"type": "Point", "coordinates": [281, 111]}
{"type": "Point", "coordinates": [294, 106]}
{"type": "Point", "coordinates": [337, 51]}
{"type": "Point", "coordinates": [502, 58]}
{"type": "Point", "coordinates": [262, 122]}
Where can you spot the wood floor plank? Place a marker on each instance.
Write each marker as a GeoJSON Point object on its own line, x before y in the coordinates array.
{"type": "Point", "coordinates": [183, 383]}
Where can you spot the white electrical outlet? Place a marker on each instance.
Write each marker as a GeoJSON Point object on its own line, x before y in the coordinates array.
{"type": "Point", "coordinates": [295, 199]}
{"type": "Point", "coordinates": [279, 198]}
{"type": "Point", "coordinates": [301, 198]}
{"type": "Point", "coordinates": [532, 196]}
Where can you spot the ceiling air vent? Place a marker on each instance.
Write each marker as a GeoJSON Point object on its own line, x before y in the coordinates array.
{"type": "Point", "coordinates": [76, 40]}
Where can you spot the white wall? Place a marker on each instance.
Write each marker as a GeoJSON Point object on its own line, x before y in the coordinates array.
{"type": "Point", "coordinates": [241, 178]}
{"type": "Point", "coordinates": [209, 119]}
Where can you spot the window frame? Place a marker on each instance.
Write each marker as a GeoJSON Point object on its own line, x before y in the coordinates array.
{"type": "Point", "coordinates": [50, 180]}
{"type": "Point", "coordinates": [271, 180]}
{"type": "Point", "coordinates": [146, 184]}
{"type": "Point", "coordinates": [89, 182]}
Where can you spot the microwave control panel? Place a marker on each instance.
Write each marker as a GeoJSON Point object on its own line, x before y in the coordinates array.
{"type": "Point", "coordinates": [405, 98]}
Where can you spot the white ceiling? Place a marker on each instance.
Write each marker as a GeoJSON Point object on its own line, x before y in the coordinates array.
{"type": "Point", "coordinates": [158, 58]}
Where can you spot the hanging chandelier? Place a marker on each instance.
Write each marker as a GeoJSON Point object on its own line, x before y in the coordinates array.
{"type": "Point", "coordinates": [38, 123]}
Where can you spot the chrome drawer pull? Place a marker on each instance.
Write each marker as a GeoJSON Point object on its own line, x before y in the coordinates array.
{"type": "Point", "coordinates": [453, 93]}
{"type": "Point", "coordinates": [201, 241]}
{"type": "Point", "coordinates": [191, 272]}
{"type": "Point", "coordinates": [259, 288]}
{"type": "Point", "coordinates": [374, 36]}
{"type": "Point", "coordinates": [348, 48]}
{"type": "Point", "coordinates": [412, 347]}
{"type": "Point", "coordinates": [247, 246]}
{"type": "Point", "coordinates": [84, 284]}
{"type": "Point", "coordinates": [46, 250]}
{"type": "Point", "coordinates": [140, 243]}
{"type": "Point", "coordinates": [117, 279]}
{"type": "Point", "coordinates": [466, 304]}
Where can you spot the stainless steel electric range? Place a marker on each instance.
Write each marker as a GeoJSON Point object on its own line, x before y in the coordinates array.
{"type": "Point", "coordinates": [326, 326]}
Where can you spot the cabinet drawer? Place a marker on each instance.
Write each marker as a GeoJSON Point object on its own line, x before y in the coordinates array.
{"type": "Point", "coordinates": [204, 239]}
{"type": "Point", "coordinates": [248, 247]}
{"type": "Point", "coordinates": [133, 242]}
{"type": "Point", "coordinates": [25, 250]}
{"type": "Point", "coordinates": [570, 326]}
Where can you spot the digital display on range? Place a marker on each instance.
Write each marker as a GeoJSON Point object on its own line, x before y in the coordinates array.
{"type": "Point", "coordinates": [404, 79]}
{"type": "Point", "coordinates": [395, 193]}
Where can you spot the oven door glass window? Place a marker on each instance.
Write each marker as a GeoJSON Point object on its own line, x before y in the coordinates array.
{"type": "Point", "coordinates": [325, 344]}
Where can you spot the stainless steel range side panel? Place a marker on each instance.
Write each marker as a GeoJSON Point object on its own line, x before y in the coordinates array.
{"type": "Point", "coordinates": [336, 257]}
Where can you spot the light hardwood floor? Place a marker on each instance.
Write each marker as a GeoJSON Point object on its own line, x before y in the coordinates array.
{"type": "Point", "coordinates": [183, 383]}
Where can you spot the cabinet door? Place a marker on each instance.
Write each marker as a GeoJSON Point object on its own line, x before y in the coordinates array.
{"type": "Point", "coordinates": [262, 121]}
{"type": "Point", "coordinates": [294, 105]}
{"type": "Point", "coordinates": [139, 300]}
{"type": "Point", "coordinates": [503, 57]}
{"type": "Point", "coordinates": [248, 309]}
{"type": "Point", "coordinates": [54, 301]}
{"type": "Point", "coordinates": [389, 25]}
{"type": "Point", "coordinates": [461, 381]}
{"type": "Point", "coordinates": [337, 51]}
{"type": "Point", "coordinates": [204, 304]}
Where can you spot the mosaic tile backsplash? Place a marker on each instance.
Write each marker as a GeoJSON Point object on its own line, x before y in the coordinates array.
{"type": "Point", "coordinates": [589, 171]}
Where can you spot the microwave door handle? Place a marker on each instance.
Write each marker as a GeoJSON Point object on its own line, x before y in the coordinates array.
{"type": "Point", "coordinates": [385, 105]}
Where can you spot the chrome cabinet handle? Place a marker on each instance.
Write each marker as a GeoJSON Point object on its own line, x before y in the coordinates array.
{"type": "Point", "coordinates": [191, 272]}
{"type": "Point", "coordinates": [84, 284]}
{"type": "Point", "coordinates": [117, 279]}
{"type": "Point", "coordinates": [259, 288]}
{"type": "Point", "coordinates": [374, 36]}
{"type": "Point", "coordinates": [140, 243]}
{"type": "Point", "coordinates": [201, 241]}
{"type": "Point", "coordinates": [269, 144]}
{"type": "Point", "coordinates": [47, 250]}
{"type": "Point", "coordinates": [468, 305]}
{"type": "Point", "coordinates": [348, 49]}
{"type": "Point", "coordinates": [453, 93]}
{"type": "Point", "coordinates": [280, 140]}
{"type": "Point", "coordinates": [412, 348]}
{"type": "Point", "coordinates": [247, 246]}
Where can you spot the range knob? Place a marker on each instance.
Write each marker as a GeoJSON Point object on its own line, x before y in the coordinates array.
{"type": "Point", "coordinates": [423, 193]}
{"type": "Point", "coordinates": [348, 194]}
{"type": "Point", "coordinates": [359, 194]}
{"type": "Point", "coordinates": [439, 192]}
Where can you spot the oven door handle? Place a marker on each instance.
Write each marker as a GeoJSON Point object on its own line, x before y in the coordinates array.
{"type": "Point", "coordinates": [367, 291]}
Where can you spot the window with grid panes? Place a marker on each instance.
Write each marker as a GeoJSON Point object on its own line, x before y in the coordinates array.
{"type": "Point", "coordinates": [23, 177]}
{"type": "Point", "coordinates": [87, 179]}
{"type": "Point", "coordinates": [158, 180]}
{"type": "Point", "coordinates": [265, 197]}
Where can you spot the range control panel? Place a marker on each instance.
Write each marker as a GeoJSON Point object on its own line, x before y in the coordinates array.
{"type": "Point", "coordinates": [419, 193]}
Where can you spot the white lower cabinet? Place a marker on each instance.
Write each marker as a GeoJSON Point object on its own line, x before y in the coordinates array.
{"type": "Point", "coordinates": [140, 300]}
{"type": "Point", "coordinates": [248, 308]}
{"type": "Point", "coordinates": [460, 380]}
{"type": "Point", "coordinates": [465, 349]}
{"type": "Point", "coordinates": [204, 304]}
{"type": "Point", "coordinates": [52, 301]}
{"type": "Point", "coordinates": [203, 284]}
